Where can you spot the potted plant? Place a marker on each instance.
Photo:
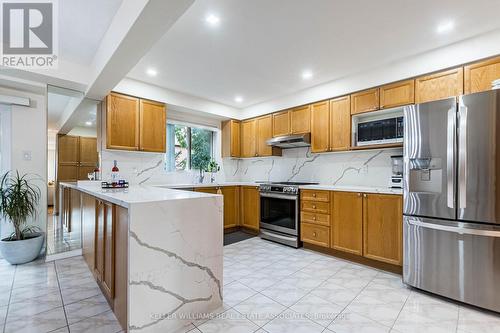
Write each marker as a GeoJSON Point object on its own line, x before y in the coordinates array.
{"type": "Point", "coordinates": [18, 201]}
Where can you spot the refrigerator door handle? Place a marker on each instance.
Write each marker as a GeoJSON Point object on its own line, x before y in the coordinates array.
{"type": "Point", "coordinates": [456, 229]}
{"type": "Point", "coordinates": [450, 157]}
{"type": "Point", "coordinates": [462, 155]}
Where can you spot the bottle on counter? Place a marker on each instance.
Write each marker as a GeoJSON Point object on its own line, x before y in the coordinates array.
{"type": "Point", "coordinates": [97, 172]}
{"type": "Point", "coordinates": [115, 173]}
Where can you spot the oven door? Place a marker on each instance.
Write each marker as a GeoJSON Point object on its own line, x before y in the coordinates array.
{"type": "Point", "coordinates": [280, 213]}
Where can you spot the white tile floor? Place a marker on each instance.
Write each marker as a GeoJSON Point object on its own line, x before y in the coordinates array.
{"type": "Point", "coordinates": [268, 288]}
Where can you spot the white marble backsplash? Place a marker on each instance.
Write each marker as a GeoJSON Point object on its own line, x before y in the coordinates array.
{"type": "Point", "coordinates": [366, 168]}
{"type": "Point", "coordinates": [360, 168]}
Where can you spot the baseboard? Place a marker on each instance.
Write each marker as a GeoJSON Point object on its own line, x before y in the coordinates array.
{"type": "Point", "coordinates": [355, 258]}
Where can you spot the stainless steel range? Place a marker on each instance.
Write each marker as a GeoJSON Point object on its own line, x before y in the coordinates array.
{"type": "Point", "coordinates": [279, 212]}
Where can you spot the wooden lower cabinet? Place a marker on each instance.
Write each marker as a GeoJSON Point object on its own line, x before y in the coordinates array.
{"type": "Point", "coordinates": [347, 222]}
{"type": "Point", "coordinates": [231, 206]}
{"type": "Point", "coordinates": [231, 196]}
{"type": "Point", "coordinates": [361, 224]}
{"type": "Point", "coordinates": [315, 234]}
{"type": "Point", "coordinates": [105, 249]}
{"type": "Point", "coordinates": [88, 229]}
{"type": "Point", "coordinates": [382, 228]}
{"type": "Point", "coordinates": [250, 207]}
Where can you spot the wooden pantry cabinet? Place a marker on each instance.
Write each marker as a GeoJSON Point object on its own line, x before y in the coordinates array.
{"type": "Point", "coordinates": [480, 75]}
{"type": "Point", "coordinates": [231, 138]}
{"type": "Point", "coordinates": [254, 135]}
{"type": "Point", "coordinates": [250, 207]}
{"type": "Point", "coordinates": [439, 85]}
{"type": "Point", "coordinates": [331, 125]}
{"type": "Point", "coordinates": [135, 124]}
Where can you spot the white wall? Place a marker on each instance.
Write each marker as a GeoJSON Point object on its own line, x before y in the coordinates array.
{"type": "Point", "coordinates": [29, 134]}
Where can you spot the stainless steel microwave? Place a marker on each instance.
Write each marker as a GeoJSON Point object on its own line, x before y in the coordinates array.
{"type": "Point", "coordinates": [380, 131]}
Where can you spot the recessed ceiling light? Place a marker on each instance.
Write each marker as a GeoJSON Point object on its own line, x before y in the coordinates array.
{"type": "Point", "coordinates": [238, 99]}
{"type": "Point", "coordinates": [212, 19]}
{"type": "Point", "coordinates": [445, 27]}
{"type": "Point", "coordinates": [88, 123]}
{"type": "Point", "coordinates": [307, 74]}
{"type": "Point", "coordinates": [151, 72]}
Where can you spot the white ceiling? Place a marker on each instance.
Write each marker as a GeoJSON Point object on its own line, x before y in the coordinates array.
{"type": "Point", "coordinates": [56, 104]}
{"type": "Point", "coordinates": [260, 48]}
{"type": "Point", "coordinates": [82, 24]}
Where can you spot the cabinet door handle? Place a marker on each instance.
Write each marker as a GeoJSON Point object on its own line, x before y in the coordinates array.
{"type": "Point", "coordinates": [365, 195]}
{"type": "Point", "coordinates": [359, 194]}
{"type": "Point", "coordinates": [314, 195]}
{"type": "Point", "coordinates": [314, 218]}
{"type": "Point", "coordinates": [314, 234]}
{"type": "Point", "coordinates": [314, 206]}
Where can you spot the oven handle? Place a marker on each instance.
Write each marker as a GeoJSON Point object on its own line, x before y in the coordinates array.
{"type": "Point", "coordinates": [280, 196]}
{"type": "Point", "coordinates": [288, 238]}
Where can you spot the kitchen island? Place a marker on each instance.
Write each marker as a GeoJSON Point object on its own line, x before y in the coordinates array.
{"type": "Point", "coordinates": [156, 253]}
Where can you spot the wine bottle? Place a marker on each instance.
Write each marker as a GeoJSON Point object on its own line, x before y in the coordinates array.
{"type": "Point", "coordinates": [115, 173]}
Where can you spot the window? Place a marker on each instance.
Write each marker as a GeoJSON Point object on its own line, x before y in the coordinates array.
{"type": "Point", "coordinates": [188, 147]}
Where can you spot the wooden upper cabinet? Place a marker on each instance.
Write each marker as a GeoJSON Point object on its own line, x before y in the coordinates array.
{"type": "Point", "coordinates": [249, 138]}
{"type": "Point", "coordinates": [347, 224]}
{"type": "Point", "coordinates": [153, 122]}
{"type": "Point", "coordinates": [320, 128]}
{"type": "Point", "coordinates": [397, 94]}
{"type": "Point", "coordinates": [264, 133]}
{"type": "Point", "coordinates": [250, 207]}
{"type": "Point", "coordinates": [479, 76]}
{"type": "Point", "coordinates": [382, 228]}
{"type": "Point", "coordinates": [281, 123]}
{"type": "Point", "coordinates": [340, 123]}
{"type": "Point", "coordinates": [231, 138]}
{"type": "Point", "coordinates": [439, 85]}
{"type": "Point", "coordinates": [300, 120]}
{"type": "Point", "coordinates": [365, 101]}
{"type": "Point", "coordinates": [122, 122]}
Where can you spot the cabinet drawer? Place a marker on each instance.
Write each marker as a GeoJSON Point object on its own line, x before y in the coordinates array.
{"type": "Point", "coordinates": [316, 207]}
{"type": "Point", "coordinates": [314, 218]}
{"type": "Point", "coordinates": [312, 195]}
{"type": "Point", "coordinates": [315, 234]}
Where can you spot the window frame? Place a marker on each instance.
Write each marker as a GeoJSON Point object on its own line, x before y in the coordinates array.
{"type": "Point", "coordinates": [189, 127]}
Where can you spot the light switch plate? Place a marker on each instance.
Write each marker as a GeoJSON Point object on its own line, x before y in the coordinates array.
{"type": "Point", "coordinates": [27, 155]}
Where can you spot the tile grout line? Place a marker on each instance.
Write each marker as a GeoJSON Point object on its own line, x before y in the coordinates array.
{"type": "Point", "coordinates": [10, 296]}
{"type": "Point", "coordinates": [401, 310]}
{"type": "Point", "coordinates": [60, 293]}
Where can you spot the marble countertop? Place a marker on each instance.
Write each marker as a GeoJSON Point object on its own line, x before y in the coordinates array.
{"type": "Point", "coordinates": [135, 194]}
{"type": "Point", "coordinates": [326, 187]}
{"type": "Point", "coordinates": [353, 188]}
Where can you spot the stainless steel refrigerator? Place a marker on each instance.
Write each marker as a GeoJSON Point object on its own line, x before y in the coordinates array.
{"type": "Point", "coordinates": [452, 198]}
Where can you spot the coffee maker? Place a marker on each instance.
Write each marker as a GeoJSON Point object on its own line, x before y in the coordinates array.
{"type": "Point", "coordinates": [397, 171]}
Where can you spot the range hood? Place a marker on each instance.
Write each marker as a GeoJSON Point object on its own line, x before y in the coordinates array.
{"type": "Point", "coordinates": [291, 141]}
